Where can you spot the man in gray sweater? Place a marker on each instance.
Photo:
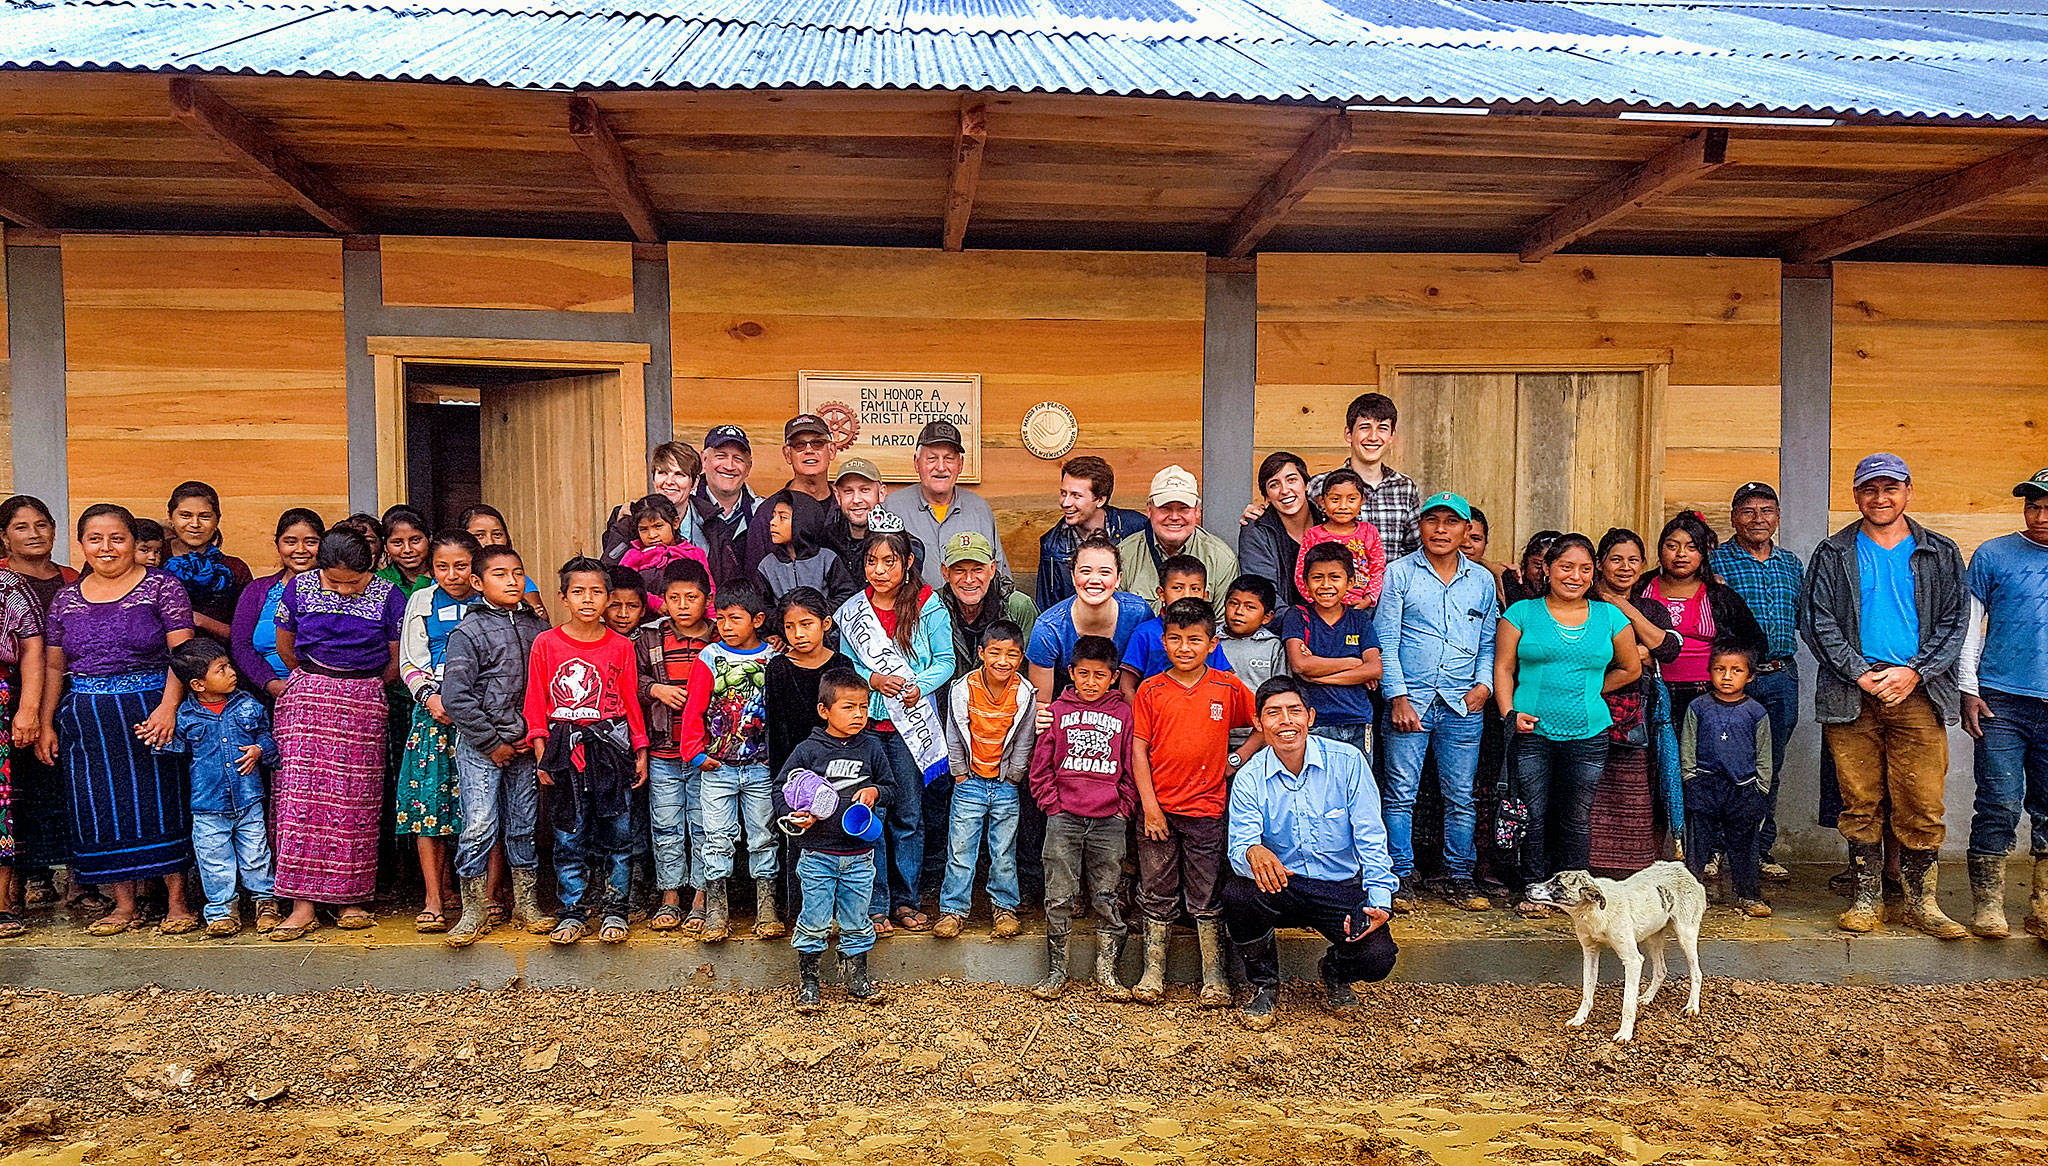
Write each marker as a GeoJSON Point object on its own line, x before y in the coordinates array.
{"type": "Point", "coordinates": [937, 508]}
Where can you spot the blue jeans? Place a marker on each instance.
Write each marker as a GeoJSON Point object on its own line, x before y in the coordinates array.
{"type": "Point", "coordinates": [593, 844]}
{"type": "Point", "coordinates": [1358, 735]}
{"type": "Point", "coordinates": [498, 805]}
{"type": "Point", "coordinates": [899, 856]}
{"type": "Point", "coordinates": [736, 795]}
{"type": "Point", "coordinates": [1778, 692]}
{"type": "Point", "coordinates": [675, 813]}
{"type": "Point", "coordinates": [1454, 733]}
{"type": "Point", "coordinates": [226, 844]}
{"type": "Point", "coordinates": [2012, 774]}
{"type": "Point", "coordinates": [981, 806]}
{"type": "Point", "coordinates": [835, 889]}
{"type": "Point", "coordinates": [1571, 771]}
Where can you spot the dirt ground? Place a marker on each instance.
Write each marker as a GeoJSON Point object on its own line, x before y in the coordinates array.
{"type": "Point", "coordinates": [959, 1073]}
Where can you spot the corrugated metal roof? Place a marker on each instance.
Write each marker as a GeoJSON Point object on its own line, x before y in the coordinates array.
{"type": "Point", "coordinates": [1896, 59]}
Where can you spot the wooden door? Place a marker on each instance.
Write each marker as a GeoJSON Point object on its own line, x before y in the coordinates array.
{"type": "Point", "coordinates": [547, 462]}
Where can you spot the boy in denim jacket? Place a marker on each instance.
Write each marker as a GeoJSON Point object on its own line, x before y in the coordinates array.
{"type": "Point", "coordinates": [226, 733]}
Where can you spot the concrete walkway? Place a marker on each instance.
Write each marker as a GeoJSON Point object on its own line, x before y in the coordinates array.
{"type": "Point", "coordinates": [1438, 945]}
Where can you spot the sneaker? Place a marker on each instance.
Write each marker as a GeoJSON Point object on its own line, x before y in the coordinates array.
{"type": "Point", "coordinates": [1776, 872]}
{"type": "Point", "coordinates": [1466, 897]}
{"type": "Point", "coordinates": [1006, 925]}
{"type": "Point", "coordinates": [268, 915]}
{"type": "Point", "coordinates": [1404, 895]}
{"type": "Point", "coordinates": [948, 926]}
{"type": "Point", "coordinates": [226, 925]}
{"type": "Point", "coordinates": [1754, 908]}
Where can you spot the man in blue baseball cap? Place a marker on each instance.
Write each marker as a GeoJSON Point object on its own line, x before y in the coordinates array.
{"type": "Point", "coordinates": [724, 504]}
{"type": "Point", "coordinates": [1884, 610]}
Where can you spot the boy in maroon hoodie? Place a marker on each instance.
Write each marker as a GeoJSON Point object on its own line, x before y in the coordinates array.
{"type": "Point", "coordinates": [1081, 778]}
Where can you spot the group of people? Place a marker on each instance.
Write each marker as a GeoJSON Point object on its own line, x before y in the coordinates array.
{"type": "Point", "coordinates": [842, 688]}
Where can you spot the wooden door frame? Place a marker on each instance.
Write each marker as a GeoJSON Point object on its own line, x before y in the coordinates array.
{"type": "Point", "coordinates": [1653, 364]}
{"type": "Point", "coordinates": [625, 440]}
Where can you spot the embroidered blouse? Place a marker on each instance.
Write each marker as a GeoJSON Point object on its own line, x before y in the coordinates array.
{"type": "Point", "coordinates": [121, 636]}
{"type": "Point", "coordinates": [344, 633]}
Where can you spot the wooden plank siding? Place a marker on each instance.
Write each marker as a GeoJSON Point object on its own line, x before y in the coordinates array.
{"type": "Point", "coordinates": [1325, 320]}
{"type": "Point", "coordinates": [1117, 337]}
{"type": "Point", "coordinates": [6, 379]}
{"type": "Point", "coordinates": [1946, 366]}
{"type": "Point", "coordinates": [538, 274]}
{"type": "Point", "coordinates": [212, 358]}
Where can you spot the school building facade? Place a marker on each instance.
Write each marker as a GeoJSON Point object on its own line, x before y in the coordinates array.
{"type": "Point", "coordinates": [344, 257]}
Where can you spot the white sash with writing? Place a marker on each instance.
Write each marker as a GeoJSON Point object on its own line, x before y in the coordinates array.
{"type": "Point", "coordinates": [861, 631]}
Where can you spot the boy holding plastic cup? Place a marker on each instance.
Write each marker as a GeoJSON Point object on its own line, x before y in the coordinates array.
{"type": "Point", "coordinates": [828, 789]}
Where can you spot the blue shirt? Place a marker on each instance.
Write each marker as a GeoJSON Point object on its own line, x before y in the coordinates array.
{"type": "Point", "coordinates": [1770, 587]}
{"type": "Point", "coordinates": [1146, 653]}
{"type": "Point", "coordinates": [1322, 823]}
{"type": "Point", "coordinates": [2009, 576]}
{"type": "Point", "coordinates": [1436, 638]}
{"type": "Point", "coordinates": [1351, 635]}
{"type": "Point", "coordinates": [1053, 636]}
{"type": "Point", "coordinates": [1889, 620]}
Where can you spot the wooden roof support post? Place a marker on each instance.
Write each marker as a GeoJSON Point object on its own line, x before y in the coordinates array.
{"type": "Point", "coordinates": [1930, 202]}
{"type": "Point", "coordinates": [24, 205]}
{"type": "Point", "coordinates": [1694, 156]}
{"type": "Point", "coordinates": [1289, 185]}
{"type": "Point", "coordinates": [260, 154]}
{"type": "Point", "coordinates": [967, 147]}
{"type": "Point", "coordinates": [614, 171]}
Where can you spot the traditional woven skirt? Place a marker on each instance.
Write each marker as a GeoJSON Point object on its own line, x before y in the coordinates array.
{"type": "Point", "coordinates": [426, 779]}
{"type": "Point", "coordinates": [329, 788]}
{"type": "Point", "coordinates": [131, 813]}
{"type": "Point", "coordinates": [40, 811]}
{"type": "Point", "coordinates": [1624, 819]}
{"type": "Point", "coordinates": [6, 783]}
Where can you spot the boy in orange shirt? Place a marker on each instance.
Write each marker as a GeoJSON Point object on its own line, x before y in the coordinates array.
{"type": "Point", "coordinates": [1182, 760]}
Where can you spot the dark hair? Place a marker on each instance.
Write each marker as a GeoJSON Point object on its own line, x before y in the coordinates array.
{"type": "Point", "coordinates": [1001, 631]}
{"type": "Point", "coordinates": [345, 547]}
{"type": "Point", "coordinates": [686, 571]}
{"type": "Point", "coordinates": [1096, 649]}
{"type": "Point", "coordinates": [1696, 529]}
{"type": "Point", "coordinates": [1188, 613]}
{"type": "Point", "coordinates": [106, 510]}
{"type": "Point", "coordinates": [1099, 540]}
{"type": "Point", "coordinates": [802, 598]}
{"type": "Point", "coordinates": [403, 515]}
{"type": "Point", "coordinates": [1342, 475]}
{"type": "Point", "coordinates": [1329, 552]}
{"type": "Point", "coordinates": [1371, 407]}
{"type": "Point", "coordinates": [1479, 516]}
{"type": "Point", "coordinates": [1183, 566]}
{"type": "Point", "coordinates": [581, 565]}
{"type": "Point", "coordinates": [453, 538]}
{"type": "Point", "coordinates": [1725, 647]}
{"type": "Point", "coordinates": [838, 681]}
{"type": "Point", "coordinates": [907, 601]}
{"type": "Point", "coordinates": [1564, 542]}
{"type": "Point", "coordinates": [366, 525]}
{"type": "Point", "coordinates": [17, 503]}
{"type": "Point", "coordinates": [1615, 536]}
{"type": "Point", "coordinates": [1277, 461]}
{"type": "Point", "coordinates": [1539, 543]}
{"type": "Point", "coordinates": [184, 490]}
{"type": "Point", "coordinates": [191, 660]}
{"type": "Point", "coordinates": [1093, 470]}
{"type": "Point", "coordinates": [148, 530]}
{"type": "Point", "coordinates": [299, 516]}
{"type": "Point", "coordinates": [743, 593]}
{"type": "Point", "coordinates": [1258, 587]}
{"type": "Point", "coordinates": [485, 556]}
{"type": "Point", "coordinates": [1277, 686]}
{"type": "Point", "coordinates": [626, 579]}
{"type": "Point", "coordinates": [660, 507]}
{"type": "Point", "coordinates": [472, 513]}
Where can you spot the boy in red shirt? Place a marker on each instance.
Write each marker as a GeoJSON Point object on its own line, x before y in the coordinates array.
{"type": "Point", "coordinates": [1182, 760]}
{"type": "Point", "coordinates": [584, 724]}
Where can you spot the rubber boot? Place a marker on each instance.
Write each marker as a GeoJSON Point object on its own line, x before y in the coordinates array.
{"type": "Point", "coordinates": [2037, 905]}
{"type": "Point", "coordinates": [1338, 995]}
{"type": "Point", "coordinates": [1055, 981]}
{"type": "Point", "coordinates": [526, 912]}
{"type": "Point", "coordinates": [476, 919]}
{"type": "Point", "coordinates": [1866, 859]}
{"type": "Point", "coordinates": [767, 924]}
{"type": "Point", "coordinates": [1151, 987]}
{"type": "Point", "coordinates": [1109, 950]}
{"type": "Point", "coordinates": [809, 997]}
{"type": "Point", "coordinates": [1987, 896]}
{"type": "Point", "coordinates": [717, 916]}
{"type": "Point", "coordinates": [1215, 982]}
{"type": "Point", "coordinates": [1922, 875]}
{"type": "Point", "coordinates": [854, 970]}
{"type": "Point", "coordinates": [1262, 971]}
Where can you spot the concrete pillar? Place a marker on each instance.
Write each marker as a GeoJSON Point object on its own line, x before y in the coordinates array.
{"type": "Point", "coordinates": [35, 340]}
{"type": "Point", "coordinates": [650, 313]}
{"type": "Point", "coordinates": [1806, 370]}
{"type": "Point", "coordinates": [1229, 397]}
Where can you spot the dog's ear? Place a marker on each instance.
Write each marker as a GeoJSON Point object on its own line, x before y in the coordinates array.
{"type": "Point", "coordinates": [1665, 899]}
{"type": "Point", "coordinates": [1594, 896]}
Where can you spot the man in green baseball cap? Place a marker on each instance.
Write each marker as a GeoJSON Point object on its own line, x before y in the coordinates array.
{"type": "Point", "coordinates": [1445, 500]}
{"type": "Point", "coordinates": [978, 594]}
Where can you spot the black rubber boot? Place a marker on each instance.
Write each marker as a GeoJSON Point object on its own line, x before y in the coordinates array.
{"type": "Point", "coordinates": [1262, 971]}
{"type": "Point", "coordinates": [1338, 995]}
{"type": "Point", "coordinates": [1922, 873]}
{"type": "Point", "coordinates": [854, 970]}
{"type": "Point", "coordinates": [1866, 860]}
{"type": "Point", "coordinates": [717, 914]}
{"type": "Point", "coordinates": [809, 998]}
{"type": "Point", "coordinates": [1055, 981]}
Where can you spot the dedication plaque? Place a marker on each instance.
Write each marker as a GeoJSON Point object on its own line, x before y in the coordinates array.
{"type": "Point", "coordinates": [877, 415]}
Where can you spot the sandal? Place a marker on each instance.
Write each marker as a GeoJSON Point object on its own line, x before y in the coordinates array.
{"type": "Point", "coordinates": [613, 930]}
{"type": "Point", "coordinates": [496, 913]}
{"type": "Point", "coordinates": [882, 925]}
{"type": "Point", "coordinates": [91, 901]}
{"type": "Point", "coordinates": [567, 932]}
{"type": "Point", "coordinates": [284, 933]}
{"type": "Point", "coordinates": [426, 922]}
{"type": "Point", "coordinates": [667, 917]}
{"type": "Point", "coordinates": [39, 894]}
{"type": "Point", "coordinates": [177, 926]}
{"type": "Point", "coordinates": [911, 919]}
{"type": "Point", "coordinates": [111, 926]}
{"type": "Point", "coordinates": [693, 924]}
{"type": "Point", "coordinates": [11, 926]}
{"type": "Point", "coordinates": [355, 920]}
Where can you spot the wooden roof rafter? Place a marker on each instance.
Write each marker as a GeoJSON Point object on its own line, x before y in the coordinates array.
{"type": "Point", "coordinates": [614, 171]}
{"type": "Point", "coordinates": [1324, 144]}
{"type": "Point", "coordinates": [1685, 161]}
{"type": "Point", "coordinates": [24, 205]}
{"type": "Point", "coordinates": [1930, 202]}
{"type": "Point", "coordinates": [262, 155]}
{"type": "Point", "coordinates": [965, 176]}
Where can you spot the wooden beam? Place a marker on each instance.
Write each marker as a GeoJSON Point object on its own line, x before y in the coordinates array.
{"type": "Point", "coordinates": [260, 154]}
{"type": "Point", "coordinates": [1930, 202]}
{"type": "Point", "coordinates": [1289, 185]}
{"type": "Point", "coordinates": [25, 205]}
{"type": "Point", "coordinates": [593, 135]}
{"type": "Point", "coordinates": [1694, 156]}
{"type": "Point", "coordinates": [967, 147]}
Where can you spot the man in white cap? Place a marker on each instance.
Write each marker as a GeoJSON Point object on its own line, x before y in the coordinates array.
{"type": "Point", "coordinates": [938, 507]}
{"type": "Point", "coordinates": [1176, 516]}
{"type": "Point", "coordinates": [1883, 611]}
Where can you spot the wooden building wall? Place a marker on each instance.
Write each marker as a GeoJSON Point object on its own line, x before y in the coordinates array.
{"type": "Point", "coordinates": [1946, 366]}
{"type": "Point", "coordinates": [563, 275]}
{"type": "Point", "coordinates": [212, 358]}
{"type": "Point", "coordinates": [1115, 336]}
{"type": "Point", "coordinates": [6, 379]}
{"type": "Point", "coordinates": [1326, 322]}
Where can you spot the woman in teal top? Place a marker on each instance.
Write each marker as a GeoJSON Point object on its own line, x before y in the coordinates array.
{"type": "Point", "coordinates": [1554, 660]}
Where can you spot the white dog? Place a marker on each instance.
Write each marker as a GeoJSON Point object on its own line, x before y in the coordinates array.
{"type": "Point", "coordinates": [1661, 902]}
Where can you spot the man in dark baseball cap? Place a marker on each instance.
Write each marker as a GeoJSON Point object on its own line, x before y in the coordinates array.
{"type": "Point", "coordinates": [936, 509]}
{"type": "Point", "coordinates": [724, 505]}
{"type": "Point", "coordinates": [807, 449]}
{"type": "Point", "coordinates": [941, 433]}
{"type": "Point", "coordinates": [1769, 578]}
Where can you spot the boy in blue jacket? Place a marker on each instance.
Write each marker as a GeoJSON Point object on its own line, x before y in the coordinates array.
{"type": "Point", "coordinates": [226, 733]}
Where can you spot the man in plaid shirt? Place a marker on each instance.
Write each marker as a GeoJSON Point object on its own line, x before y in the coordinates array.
{"type": "Point", "coordinates": [1767, 576]}
{"type": "Point", "coordinates": [1390, 496]}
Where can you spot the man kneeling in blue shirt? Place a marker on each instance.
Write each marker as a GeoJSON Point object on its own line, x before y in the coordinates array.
{"type": "Point", "coordinates": [1307, 848]}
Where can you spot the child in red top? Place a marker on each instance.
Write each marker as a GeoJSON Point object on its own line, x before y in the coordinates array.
{"type": "Point", "coordinates": [1182, 760]}
{"type": "Point", "coordinates": [584, 724]}
{"type": "Point", "coordinates": [1343, 501]}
